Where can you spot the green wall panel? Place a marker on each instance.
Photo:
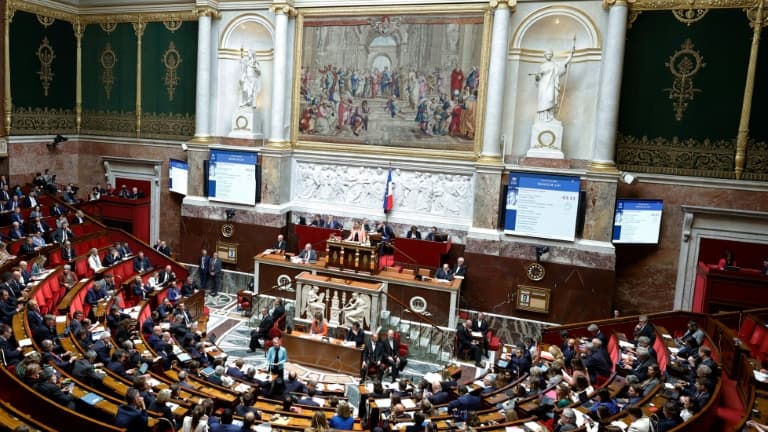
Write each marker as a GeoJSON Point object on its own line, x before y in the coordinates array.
{"type": "Point", "coordinates": [122, 96]}
{"type": "Point", "coordinates": [155, 94]}
{"type": "Point", "coordinates": [26, 35]}
{"type": "Point", "coordinates": [723, 38]}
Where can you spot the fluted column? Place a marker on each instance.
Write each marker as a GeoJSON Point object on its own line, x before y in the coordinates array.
{"type": "Point", "coordinates": [757, 20]}
{"type": "Point", "coordinates": [609, 92]}
{"type": "Point", "coordinates": [8, 105]}
{"type": "Point", "coordinates": [278, 129]}
{"type": "Point", "coordinates": [495, 87]}
{"type": "Point", "coordinates": [203, 89]}
{"type": "Point", "coordinates": [138, 28]}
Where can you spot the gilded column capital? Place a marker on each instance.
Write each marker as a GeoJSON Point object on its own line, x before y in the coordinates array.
{"type": "Point", "coordinates": [283, 9]}
{"type": "Point", "coordinates": [207, 11]}
{"type": "Point", "coordinates": [496, 4]}
{"type": "Point", "coordinates": [138, 28]}
{"type": "Point", "coordinates": [79, 28]}
{"type": "Point", "coordinates": [625, 3]}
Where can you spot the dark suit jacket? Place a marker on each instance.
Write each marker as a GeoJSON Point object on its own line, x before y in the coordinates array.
{"type": "Point", "coordinates": [412, 234]}
{"type": "Point", "coordinates": [465, 338]}
{"type": "Point", "coordinates": [386, 232]}
{"type": "Point", "coordinates": [460, 271]}
{"type": "Point", "coordinates": [68, 254]}
{"type": "Point", "coordinates": [598, 363]}
{"type": "Point", "coordinates": [9, 351]}
{"type": "Point", "coordinates": [359, 340]}
{"type": "Point", "coordinates": [141, 265]}
{"type": "Point", "coordinates": [481, 327]}
{"type": "Point", "coordinates": [442, 274]}
{"type": "Point", "coordinates": [467, 402]}
{"type": "Point", "coordinates": [439, 398]}
{"type": "Point", "coordinates": [295, 386]}
{"type": "Point", "coordinates": [280, 245]}
{"type": "Point", "coordinates": [215, 267]}
{"type": "Point", "coordinates": [371, 352]}
{"type": "Point", "coordinates": [131, 418]}
{"type": "Point", "coordinates": [309, 256]}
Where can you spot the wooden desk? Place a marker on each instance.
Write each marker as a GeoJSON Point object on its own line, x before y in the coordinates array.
{"type": "Point", "coordinates": [345, 255]}
{"type": "Point", "coordinates": [195, 304]}
{"type": "Point", "coordinates": [331, 355]}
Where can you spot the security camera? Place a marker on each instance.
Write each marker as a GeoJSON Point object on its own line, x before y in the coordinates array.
{"type": "Point", "coordinates": [541, 250]}
{"type": "Point", "coordinates": [627, 178]}
{"type": "Point", "coordinates": [184, 146]}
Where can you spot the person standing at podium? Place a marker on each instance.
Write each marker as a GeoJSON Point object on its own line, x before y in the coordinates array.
{"type": "Point", "coordinates": [357, 234]}
{"type": "Point", "coordinates": [280, 244]}
{"type": "Point", "coordinates": [277, 356]}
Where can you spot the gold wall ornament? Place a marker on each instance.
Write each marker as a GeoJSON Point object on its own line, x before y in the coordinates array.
{"type": "Point", "coordinates": [689, 16]}
{"type": "Point", "coordinates": [108, 27]}
{"type": "Point", "coordinates": [632, 17]}
{"type": "Point", "coordinates": [108, 60]}
{"type": "Point", "coordinates": [684, 64]}
{"type": "Point", "coordinates": [45, 21]}
{"type": "Point", "coordinates": [173, 24]}
{"type": "Point", "coordinates": [171, 59]}
{"type": "Point", "coordinates": [168, 126]}
{"type": "Point", "coordinates": [46, 56]}
{"type": "Point", "coordinates": [42, 121]}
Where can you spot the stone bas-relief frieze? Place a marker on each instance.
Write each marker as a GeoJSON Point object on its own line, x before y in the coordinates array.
{"type": "Point", "coordinates": [438, 194]}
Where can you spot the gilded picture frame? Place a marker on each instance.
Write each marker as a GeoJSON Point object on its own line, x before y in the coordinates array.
{"type": "Point", "coordinates": [385, 80]}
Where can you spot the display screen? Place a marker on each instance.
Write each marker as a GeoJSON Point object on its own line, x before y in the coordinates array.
{"type": "Point", "coordinates": [178, 172]}
{"type": "Point", "coordinates": [232, 176]}
{"type": "Point", "coordinates": [637, 221]}
{"type": "Point", "coordinates": [541, 205]}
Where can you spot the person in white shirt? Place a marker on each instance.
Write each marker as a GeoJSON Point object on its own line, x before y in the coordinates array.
{"type": "Point", "coordinates": [94, 262]}
{"type": "Point", "coordinates": [639, 423]}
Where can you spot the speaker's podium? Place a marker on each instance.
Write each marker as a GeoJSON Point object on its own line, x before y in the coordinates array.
{"type": "Point", "coordinates": [351, 256]}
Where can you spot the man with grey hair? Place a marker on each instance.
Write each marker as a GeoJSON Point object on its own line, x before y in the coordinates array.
{"type": "Point", "coordinates": [640, 369]}
{"type": "Point", "coordinates": [644, 328]}
{"type": "Point", "coordinates": [216, 376]}
{"type": "Point", "coordinates": [567, 421]}
{"type": "Point", "coordinates": [597, 361]}
{"type": "Point", "coordinates": [597, 333]}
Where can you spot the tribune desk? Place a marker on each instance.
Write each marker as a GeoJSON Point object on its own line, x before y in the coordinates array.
{"type": "Point", "coordinates": [329, 354]}
{"type": "Point", "coordinates": [436, 299]}
{"type": "Point", "coordinates": [347, 255]}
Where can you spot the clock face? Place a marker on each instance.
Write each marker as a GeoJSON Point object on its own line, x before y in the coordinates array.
{"type": "Point", "coordinates": [535, 271]}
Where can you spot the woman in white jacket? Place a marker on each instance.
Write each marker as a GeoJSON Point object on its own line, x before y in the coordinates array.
{"type": "Point", "coordinates": [197, 422]}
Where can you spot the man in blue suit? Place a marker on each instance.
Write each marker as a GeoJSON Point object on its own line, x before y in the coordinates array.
{"type": "Point", "coordinates": [439, 396]}
{"type": "Point", "coordinates": [465, 402]}
{"type": "Point", "coordinates": [141, 263]}
{"type": "Point", "coordinates": [226, 423]}
{"type": "Point", "coordinates": [133, 415]}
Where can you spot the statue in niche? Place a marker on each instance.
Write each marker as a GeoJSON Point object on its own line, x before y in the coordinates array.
{"type": "Point", "coordinates": [250, 79]}
{"type": "Point", "coordinates": [314, 303]}
{"type": "Point", "coordinates": [548, 81]}
{"type": "Point", "coordinates": [357, 310]}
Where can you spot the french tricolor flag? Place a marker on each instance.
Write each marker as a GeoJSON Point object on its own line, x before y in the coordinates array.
{"type": "Point", "coordinates": [389, 199]}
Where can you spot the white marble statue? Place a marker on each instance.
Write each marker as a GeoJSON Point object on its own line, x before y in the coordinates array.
{"type": "Point", "coordinates": [250, 79]}
{"type": "Point", "coordinates": [548, 81]}
{"type": "Point", "coordinates": [357, 310]}
{"type": "Point", "coordinates": [314, 303]}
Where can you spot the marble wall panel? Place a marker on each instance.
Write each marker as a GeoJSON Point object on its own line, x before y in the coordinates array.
{"type": "Point", "coordinates": [598, 219]}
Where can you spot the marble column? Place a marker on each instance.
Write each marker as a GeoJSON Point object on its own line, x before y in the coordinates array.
{"type": "Point", "coordinates": [495, 87]}
{"type": "Point", "coordinates": [598, 217]}
{"type": "Point", "coordinates": [203, 90]}
{"type": "Point", "coordinates": [275, 175]}
{"type": "Point", "coordinates": [485, 216]}
{"type": "Point", "coordinates": [609, 92]}
{"type": "Point", "coordinates": [278, 136]}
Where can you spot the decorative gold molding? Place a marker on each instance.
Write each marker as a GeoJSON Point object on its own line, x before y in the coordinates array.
{"type": "Point", "coordinates": [171, 60]}
{"type": "Point", "coordinates": [689, 16]}
{"type": "Point", "coordinates": [686, 4]}
{"type": "Point", "coordinates": [37, 9]}
{"type": "Point", "coordinates": [45, 55]}
{"type": "Point", "coordinates": [632, 17]}
{"type": "Point", "coordinates": [512, 4]}
{"type": "Point", "coordinates": [602, 167]}
{"type": "Point", "coordinates": [45, 21]}
{"type": "Point", "coordinates": [207, 11]}
{"type": "Point", "coordinates": [43, 121]}
{"type": "Point", "coordinates": [108, 26]}
{"type": "Point", "coordinates": [168, 126]}
{"type": "Point", "coordinates": [138, 28]}
{"type": "Point", "coordinates": [52, 13]}
{"type": "Point", "coordinates": [79, 29]}
{"type": "Point", "coordinates": [115, 123]}
{"type": "Point", "coordinates": [172, 25]}
{"type": "Point", "coordinates": [684, 64]}
{"type": "Point", "coordinates": [108, 60]}
{"type": "Point", "coordinates": [283, 10]}
{"type": "Point", "coordinates": [8, 104]}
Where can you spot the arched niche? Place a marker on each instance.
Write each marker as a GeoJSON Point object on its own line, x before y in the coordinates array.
{"type": "Point", "coordinates": [250, 31]}
{"type": "Point", "coordinates": [553, 27]}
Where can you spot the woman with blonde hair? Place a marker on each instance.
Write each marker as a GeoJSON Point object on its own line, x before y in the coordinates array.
{"type": "Point", "coordinates": [319, 423]}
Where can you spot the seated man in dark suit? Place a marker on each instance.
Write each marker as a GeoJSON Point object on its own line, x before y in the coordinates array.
{"type": "Point", "coordinates": [133, 415]}
{"type": "Point", "coordinates": [439, 396]}
{"type": "Point", "coordinates": [317, 222]}
{"type": "Point", "coordinates": [333, 223]}
{"type": "Point", "coordinates": [68, 252]}
{"type": "Point", "coordinates": [15, 232]}
{"type": "Point", "coordinates": [432, 233]}
{"type": "Point", "coordinates": [262, 332]}
{"type": "Point", "coordinates": [597, 361]}
{"type": "Point", "coordinates": [11, 353]}
{"type": "Point", "coordinates": [235, 371]}
{"type": "Point", "coordinates": [464, 336]}
{"type": "Point", "coordinates": [28, 249]}
{"type": "Point", "coordinates": [461, 268]}
{"type": "Point", "coordinates": [465, 402]}
{"type": "Point", "coordinates": [63, 233]}
{"type": "Point", "coordinates": [141, 263]}
{"type": "Point", "coordinates": [113, 257]}
{"type": "Point", "coordinates": [307, 400]}
{"type": "Point", "coordinates": [293, 385]}
{"type": "Point", "coordinates": [444, 272]}
{"type": "Point", "coordinates": [308, 255]}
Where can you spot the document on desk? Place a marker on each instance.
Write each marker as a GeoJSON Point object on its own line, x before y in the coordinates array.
{"type": "Point", "coordinates": [408, 403]}
{"type": "Point", "coordinates": [383, 403]}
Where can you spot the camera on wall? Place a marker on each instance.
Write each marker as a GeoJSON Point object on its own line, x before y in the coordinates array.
{"type": "Point", "coordinates": [541, 250]}
{"type": "Point", "coordinates": [230, 214]}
